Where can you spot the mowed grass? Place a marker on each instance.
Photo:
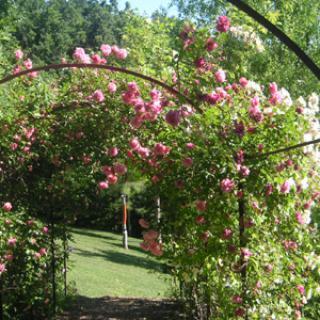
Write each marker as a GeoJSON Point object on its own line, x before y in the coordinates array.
{"type": "Point", "coordinates": [101, 267]}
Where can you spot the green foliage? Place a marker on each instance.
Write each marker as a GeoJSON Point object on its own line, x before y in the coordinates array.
{"type": "Point", "coordinates": [49, 30]}
{"type": "Point", "coordinates": [298, 19]}
{"type": "Point", "coordinates": [27, 281]}
{"type": "Point", "coordinates": [57, 138]}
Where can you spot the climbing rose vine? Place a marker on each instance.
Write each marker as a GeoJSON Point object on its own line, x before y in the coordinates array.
{"type": "Point", "coordinates": [237, 225]}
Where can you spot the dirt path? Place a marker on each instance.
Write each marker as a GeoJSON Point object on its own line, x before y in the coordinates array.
{"type": "Point", "coordinates": [108, 308]}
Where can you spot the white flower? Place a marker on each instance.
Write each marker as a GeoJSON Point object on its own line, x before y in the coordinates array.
{"type": "Point", "coordinates": [291, 182]}
{"type": "Point", "coordinates": [304, 184]}
{"type": "Point", "coordinates": [286, 98]}
{"type": "Point", "coordinates": [306, 216]}
{"type": "Point", "coordinates": [253, 86]}
{"type": "Point", "coordinates": [313, 102]}
{"type": "Point", "coordinates": [301, 102]}
{"type": "Point", "coordinates": [314, 128]}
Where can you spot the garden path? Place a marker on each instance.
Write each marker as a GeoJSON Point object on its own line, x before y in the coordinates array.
{"type": "Point", "coordinates": [108, 308]}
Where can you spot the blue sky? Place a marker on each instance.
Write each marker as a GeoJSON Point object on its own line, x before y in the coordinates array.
{"type": "Point", "coordinates": [148, 6]}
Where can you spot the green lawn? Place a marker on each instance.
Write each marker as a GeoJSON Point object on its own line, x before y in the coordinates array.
{"type": "Point", "coordinates": [101, 267]}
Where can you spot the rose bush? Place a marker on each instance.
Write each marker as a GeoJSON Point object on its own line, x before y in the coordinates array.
{"type": "Point", "coordinates": [25, 260]}
{"type": "Point", "coordinates": [237, 226]}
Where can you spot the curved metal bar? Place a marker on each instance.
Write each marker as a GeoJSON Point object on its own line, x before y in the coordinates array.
{"type": "Point", "coordinates": [296, 146]}
{"type": "Point", "coordinates": [100, 66]}
{"type": "Point", "coordinates": [309, 63]}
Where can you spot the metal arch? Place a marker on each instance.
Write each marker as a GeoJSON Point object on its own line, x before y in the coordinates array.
{"type": "Point", "coordinates": [154, 81]}
{"type": "Point", "coordinates": [100, 66]}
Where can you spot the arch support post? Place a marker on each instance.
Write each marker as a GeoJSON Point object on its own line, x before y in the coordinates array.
{"type": "Point", "coordinates": [124, 222]}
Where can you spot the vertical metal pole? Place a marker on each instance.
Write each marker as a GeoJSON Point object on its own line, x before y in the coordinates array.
{"type": "Point", "coordinates": [53, 266]}
{"type": "Point", "coordinates": [65, 259]}
{"type": "Point", "coordinates": [242, 242]}
{"type": "Point", "coordinates": [124, 223]}
{"type": "Point", "coordinates": [159, 216]}
{"type": "Point", "coordinates": [1, 299]}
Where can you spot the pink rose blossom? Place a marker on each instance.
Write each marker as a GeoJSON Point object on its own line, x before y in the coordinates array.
{"type": "Point", "coordinates": [9, 257]}
{"type": "Point", "coordinates": [113, 152]}
{"type": "Point", "coordinates": [12, 241]}
{"type": "Point", "coordinates": [112, 87]}
{"type": "Point", "coordinates": [120, 169]}
{"type": "Point", "coordinates": [237, 299]}
{"type": "Point", "coordinates": [18, 54]}
{"type": "Point", "coordinates": [161, 150]}
{"type": "Point", "coordinates": [107, 170]}
{"type": "Point", "coordinates": [145, 246]}
{"type": "Point", "coordinates": [187, 162]}
{"type": "Point", "coordinates": [45, 229]}
{"type": "Point", "coordinates": [273, 88]}
{"type": "Point", "coordinates": [255, 112]}
{"type": "Point", "coordinates": [240, 312]}
{"type": "Point", "coordinates": [173, 117]}
{"type": "Point", "coordinates": [246, 253]}
{"type": "Point", "coordinates": [255, 101]}
{"type": "Point", "coordinates": [201, 205]}
{"type": "Point", "coordinates": [269, 189]}
{"type": "Point", "coordinates": [249, 223]}
{"type": "Point", "coordinates": [205, 236]}
{"type": "Point", "coordinates": [243, 82]}
{"type": "Point", "coordinates": [301, 289]}
{"type": "Point", "coordinates": [150, 235]}
{"type": "Point", "coordinates": [243, 170]}
{"type": "Point", "coordinates": [300, 218]}
{"type": "Point", "coordinates": [155, 179]}
{"type": "Point", "coordinates": [28, 64]}
{"type": "Point", "coordinates": [134, 144]}
{"type": "Point", "coordinates": [13, 146]}
{"type": "Point", "coordinates": [227, 234]}
{"type": "Point", "coordinates": [33, 74]}
{"type": "Point", "coordinates": [268, 267]}
{"type": "Point", "coordinates": [290, 245]}
{"type": "Point", "coordinates": [112, 179]}
{"type": "Point", "coordinates": [98, 96]}
{"type": "Point", "coordinates": [190, 145]}
{"type": "Point", "coordinates": [37, 255]}
{"type": "Point", "coordinates": [211, 45]}
{"type": "Point", "coordinates": [223, 24]}
{"type": "Point", "coordinates": [285, 187]}
{"type": "Point", "coordinates": [220, 76]}
{"type": "Point", "coordinates": [103, 185]}
{"type": "Point", "coordinates": [144, 152]}
{"type": "Point", "coordinates": [2, 268]}
{"type": "Point", "coordinates": [97, 59]}
{"type": "Point", "coordinates": [106, 50]}
{"type": "Point", "coordinates": [16, 69]}
{"type": "Point", "coordinates": [200, 220]}
{"type": "Point", "coordinates": [144, 223]}
{"type": "Point", "coordinates": [121, 54]}
{"type": "Point", "coordinates": [7, 206]}
{"type": "Point", "coordinates": [43, 251]}
{"type": "Point", "coordinates": [227, 185]}
{"type": "Point", "coordinates": [156, 248]}
{"type": "Point", "coordinates": [78, 53]}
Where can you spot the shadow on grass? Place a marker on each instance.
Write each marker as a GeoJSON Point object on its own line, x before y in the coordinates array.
{"type": "Point", "coordinates": [94, 235]}
{"type": "Point", "coordinates": [123, 309]}
{"type": "Point", "coordinates": [84, 232]}
{"type": "Point", "coordinates": [123, 258]}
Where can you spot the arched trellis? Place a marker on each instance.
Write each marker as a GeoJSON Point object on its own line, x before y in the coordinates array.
{"type": "Point", "coordinates": [153, 81]}
{"type": "Point", "coordinates": [291, 45]}
{"type": "Point", "coordinates": [52, 221]}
